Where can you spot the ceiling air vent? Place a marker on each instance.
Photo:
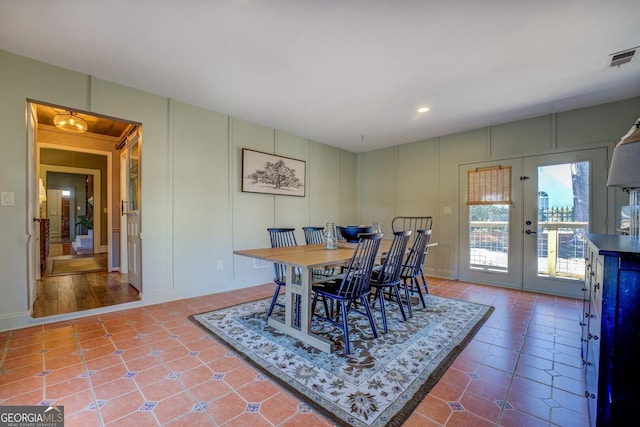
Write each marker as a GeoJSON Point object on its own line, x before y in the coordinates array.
{"type": "Point", "coordinates": [619, 58]}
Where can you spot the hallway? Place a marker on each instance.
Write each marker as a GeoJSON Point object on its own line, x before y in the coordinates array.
{"type": "Point", "coordinates": [71, 283]}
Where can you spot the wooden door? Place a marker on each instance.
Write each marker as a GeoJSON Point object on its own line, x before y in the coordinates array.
{"type": "Point", "coordinates": [64, 219]}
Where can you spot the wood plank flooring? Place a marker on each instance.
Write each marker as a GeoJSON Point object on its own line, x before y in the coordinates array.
{"type": "Point", "coordinates": [58, 294]}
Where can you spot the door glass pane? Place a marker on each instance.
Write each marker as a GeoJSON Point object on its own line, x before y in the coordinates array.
{"type": "Point", "coordinates": [489, 237]}
{"type": "Point", "coordinates": [133, 177]}
{"type": "Point", "coordinates": [563, 219]}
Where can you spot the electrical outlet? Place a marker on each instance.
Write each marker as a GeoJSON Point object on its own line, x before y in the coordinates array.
{"type": "Point", "coordinates": [220, 264]}
{"type": "Point", "coordinates": [446, 210]}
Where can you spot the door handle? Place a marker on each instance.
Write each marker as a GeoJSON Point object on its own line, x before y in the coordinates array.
{"type": "Point", "coordinates": [36, 219]}
{"type": "Point", "coordinates": [122, 205]}
{"type": "Point", "coordinates": [531, 232]}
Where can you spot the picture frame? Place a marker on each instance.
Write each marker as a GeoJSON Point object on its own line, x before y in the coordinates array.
{"type": "Point", "coordinates": [272, 174]}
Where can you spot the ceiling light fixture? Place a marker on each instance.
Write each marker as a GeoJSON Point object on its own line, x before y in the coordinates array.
{"type": "Point", "coordinates": [423, 109]}
{"type": "Point", "coordinates": [70, 122]}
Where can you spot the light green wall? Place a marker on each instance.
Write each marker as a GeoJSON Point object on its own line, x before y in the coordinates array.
{"type": "Point", "coordinates": [425, 174]}
{"type": "Point", "coordinates": [194, 214]}
{"type": "Point", "coordinates": [193, 211]}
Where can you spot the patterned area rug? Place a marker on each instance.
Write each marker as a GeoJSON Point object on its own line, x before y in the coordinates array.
{"type": "Point", "coordinates": [381, 382]}
{"type": "Point", "coordinates": [76, 265]}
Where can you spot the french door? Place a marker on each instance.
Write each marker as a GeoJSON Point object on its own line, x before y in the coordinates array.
{"type": "Point", "coordinates": [536, 242]}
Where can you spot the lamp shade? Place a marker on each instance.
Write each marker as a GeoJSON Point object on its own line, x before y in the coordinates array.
{"type": "Point", "coordinates": [625, 164]}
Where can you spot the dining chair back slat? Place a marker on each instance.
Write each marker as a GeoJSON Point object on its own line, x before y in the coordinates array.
{"type": "Point", "coordinates": [413, 223]}
{"type": "Point", "coordinates": [313, 235]}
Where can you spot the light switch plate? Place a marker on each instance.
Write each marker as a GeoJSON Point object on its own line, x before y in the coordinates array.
{"type": "Point", "coordinates": [7, 198]}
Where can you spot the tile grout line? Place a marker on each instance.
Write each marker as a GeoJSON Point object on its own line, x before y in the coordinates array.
{"type": "Point", "coordinates": [86, 374]}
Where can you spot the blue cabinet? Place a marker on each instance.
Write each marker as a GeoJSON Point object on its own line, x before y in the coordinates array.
{"type": "Point", "coordinates": [611, 328]}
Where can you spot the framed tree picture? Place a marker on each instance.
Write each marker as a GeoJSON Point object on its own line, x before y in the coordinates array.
{"type": "Point", "coordinates": [271, 174]}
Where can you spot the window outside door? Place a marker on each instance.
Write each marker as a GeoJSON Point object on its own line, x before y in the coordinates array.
{"type": "Point", "coordinates": [536, 243]}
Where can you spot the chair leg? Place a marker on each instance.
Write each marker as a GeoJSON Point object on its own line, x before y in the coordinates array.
{"type": "Point", "coordinates": [424, 282]}
{"type": "Point", "coordinates": [345, 327]}
{"type": "Point", "coordinates": [375, 297]}
{"type": "Point", "coordinates": [274, 299]}
{"type": "Point", "coordinates": [415, 283]}
{"type": "Point", "coordinates": [399, 301]}
{"type": "Point", "coordinates": [324, 303]}
{"type": "Point", "coordinates": [408, 297]}
{"type": "Point", "coordinates": [365, 302]}
{"type": "Point", "coordinates": [382, 309]}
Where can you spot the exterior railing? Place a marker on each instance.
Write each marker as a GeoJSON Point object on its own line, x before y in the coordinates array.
{"type": "Point", "coordinates": [560, 247]}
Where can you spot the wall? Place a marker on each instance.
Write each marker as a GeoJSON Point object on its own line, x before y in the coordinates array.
{"type": "Point", "coordinates": [193, 212]}
{"type": "Point", "coordinates": [422, 178]}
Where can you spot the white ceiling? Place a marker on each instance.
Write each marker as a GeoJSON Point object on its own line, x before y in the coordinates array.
{"type": "Point", "coordinates": [347, 73]}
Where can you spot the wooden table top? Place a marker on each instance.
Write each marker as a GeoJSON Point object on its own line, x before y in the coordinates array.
{"type": "Point", "coordinates": [307, 256]}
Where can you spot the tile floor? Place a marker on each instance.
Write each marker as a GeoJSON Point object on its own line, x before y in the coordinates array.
{"type": "Point", "coordinates": [152, 366]}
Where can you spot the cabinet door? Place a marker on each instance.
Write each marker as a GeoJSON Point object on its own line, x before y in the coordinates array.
{"type": "Point", "coordinates": [620, 356]}
{"type": "Point", "coordinates": [596, 304]}
{"type": "Point", "coordinates": [586, 305]}
{"type": "Point", "coordinates": [593, 319]}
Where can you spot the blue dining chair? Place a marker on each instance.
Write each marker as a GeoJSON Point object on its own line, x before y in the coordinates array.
{"type": "Point", "coordinates": [353, 287]}
{"type": "Point", "coordinates": [387, 276]}
{"type": "Point", "coordinates": [313, 235]}
{"type": "Point", "coordinates": [412, 267]}
{"type": "Point", "coordinates": [281, 237]}
{"type": "Point", "coordinates": [415, 223]}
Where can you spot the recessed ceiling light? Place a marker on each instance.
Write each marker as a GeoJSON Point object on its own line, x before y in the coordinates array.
{"type": "Point", "coordinates": [423, 109]}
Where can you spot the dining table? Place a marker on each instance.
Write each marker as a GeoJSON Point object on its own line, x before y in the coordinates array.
{"type": "Point", "coordinates": [305, 259]}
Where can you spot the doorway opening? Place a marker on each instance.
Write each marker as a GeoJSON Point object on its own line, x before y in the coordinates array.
{"type": "Point", "coordinates": [75, 258]}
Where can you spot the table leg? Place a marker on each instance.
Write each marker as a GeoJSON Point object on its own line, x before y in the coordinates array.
{"type": "Point", "coordinates": [304, 334]}
{"type": "Point", "coordinates": [305, 300]}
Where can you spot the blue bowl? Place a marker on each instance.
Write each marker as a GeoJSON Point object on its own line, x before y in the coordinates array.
{"type": "Point", "coordinates": [350, 232]}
